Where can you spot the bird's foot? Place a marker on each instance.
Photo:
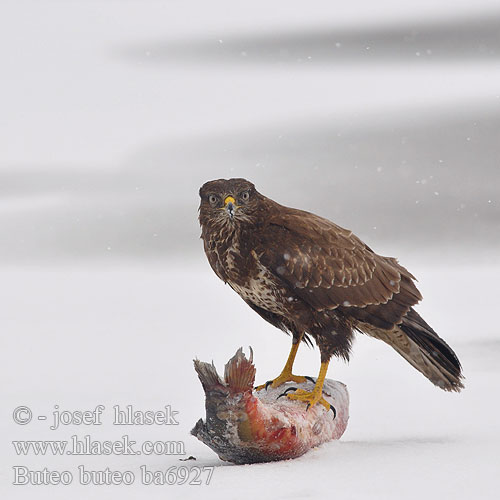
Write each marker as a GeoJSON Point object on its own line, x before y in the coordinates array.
{"type": "Point", "coordinates": [309, 397]}
{"type": "Point", "coordinates": [283, 378]}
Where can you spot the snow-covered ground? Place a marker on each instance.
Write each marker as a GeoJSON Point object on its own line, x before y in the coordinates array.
{"type": "Point", "coordinates": [382, 116]}
{"type": "Point", "coordinates": [79, 336]}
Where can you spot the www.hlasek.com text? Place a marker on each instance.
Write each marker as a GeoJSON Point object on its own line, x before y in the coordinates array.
{"type": "Point", "coordinates": [87, 446]}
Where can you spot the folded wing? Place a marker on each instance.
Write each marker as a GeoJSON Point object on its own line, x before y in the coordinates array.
{"type": "Point", "coordinates": [330, 268]}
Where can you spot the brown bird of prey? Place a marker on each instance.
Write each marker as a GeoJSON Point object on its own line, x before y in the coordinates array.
{"type": "Point", "coordinates": [310, 277]}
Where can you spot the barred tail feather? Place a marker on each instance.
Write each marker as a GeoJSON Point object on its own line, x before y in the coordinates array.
{"type": "Point", "coordinates": [422, 347]}
{"type": "Point", "coordinates": [435, 358]}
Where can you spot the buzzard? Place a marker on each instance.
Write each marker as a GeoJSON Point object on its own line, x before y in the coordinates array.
{"type": "Point", "coordinates": [312, 278]}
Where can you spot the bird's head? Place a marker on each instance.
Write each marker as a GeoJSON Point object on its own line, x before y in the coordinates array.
{"type": "Point", "coordinates": [228, 202]}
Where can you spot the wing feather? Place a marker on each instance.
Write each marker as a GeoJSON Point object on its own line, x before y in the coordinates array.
{"type": "Point", "coordinates": [328, 267]}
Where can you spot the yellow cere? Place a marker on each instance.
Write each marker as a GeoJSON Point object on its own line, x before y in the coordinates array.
{"type": "Point", "coordinates": [229, 199]}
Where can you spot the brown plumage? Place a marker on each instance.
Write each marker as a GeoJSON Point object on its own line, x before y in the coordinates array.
{"type": "Point", "coordinates": [310, 277]}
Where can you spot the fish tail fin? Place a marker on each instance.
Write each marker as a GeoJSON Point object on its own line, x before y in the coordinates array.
{"type": "Point", "coordinates": [207, 374]}
{"type": "Point", "coordinates": [239, 372]}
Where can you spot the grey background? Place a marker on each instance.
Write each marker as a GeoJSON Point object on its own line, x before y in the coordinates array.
{"type": "Point", "coordinates": [383, 116]}
{"type": "Point", "coordinates": [387, 124]}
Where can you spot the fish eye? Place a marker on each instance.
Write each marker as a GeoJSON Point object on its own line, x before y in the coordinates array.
{"type": "Point", "coordinates": [245, 195]}
{"type": "Point", "coordinates": [213, 199]}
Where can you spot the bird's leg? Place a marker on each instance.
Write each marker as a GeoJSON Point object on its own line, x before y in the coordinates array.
{"type": "Point", "coordinates": [316, 395]}
{"type": "Point", "coordinates": [286, 374]}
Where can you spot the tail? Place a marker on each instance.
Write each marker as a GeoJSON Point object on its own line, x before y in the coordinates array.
{"type": "Point", "coordinates": [429, 353]}
{"type": "Point", "coordinates": [239, 374]}
{"type": "Point", "coordinates": [422, 347]}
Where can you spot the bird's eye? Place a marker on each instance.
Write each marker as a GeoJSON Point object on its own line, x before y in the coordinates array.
{"type": "Point", "coordinates": [245, 195]}
{"type": "Point", "coordinates": [213, 199]}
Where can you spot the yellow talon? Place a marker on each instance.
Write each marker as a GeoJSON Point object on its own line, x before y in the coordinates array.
{"type": "Point", "coordinates": [286, 375]}
{"type": "Point", "coordinates": [311, 398]}
{"type": "Point", "coordinates": [316, 395]}
{"type": "Point", "coordinates": [281, 379]}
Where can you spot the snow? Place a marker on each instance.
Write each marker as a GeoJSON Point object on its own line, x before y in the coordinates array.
{"type": "Point", "coordinates": [113, 85]}
{"type": "Point", "coordinates": [79, 336]}
{"type": "Point", "coordinates": [114, 113]}
{"type": "Point", "coordinates": [99, 139]}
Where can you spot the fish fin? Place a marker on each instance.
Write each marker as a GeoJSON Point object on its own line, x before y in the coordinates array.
{"type": "Point", "coordinates": [207, 374]}
{"type": "Point", "coordinates": [239, 372]}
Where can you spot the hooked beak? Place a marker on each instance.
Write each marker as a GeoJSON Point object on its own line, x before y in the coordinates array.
{"type": "Point", "coordinates": [230, 206]}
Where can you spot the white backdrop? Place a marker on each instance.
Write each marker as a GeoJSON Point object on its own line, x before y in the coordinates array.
{"type": "Point", "coordinates": [384, 117]}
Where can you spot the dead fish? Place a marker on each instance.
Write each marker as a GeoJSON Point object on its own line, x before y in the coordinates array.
{"type": "Point", "coordinates": [245, 426]}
